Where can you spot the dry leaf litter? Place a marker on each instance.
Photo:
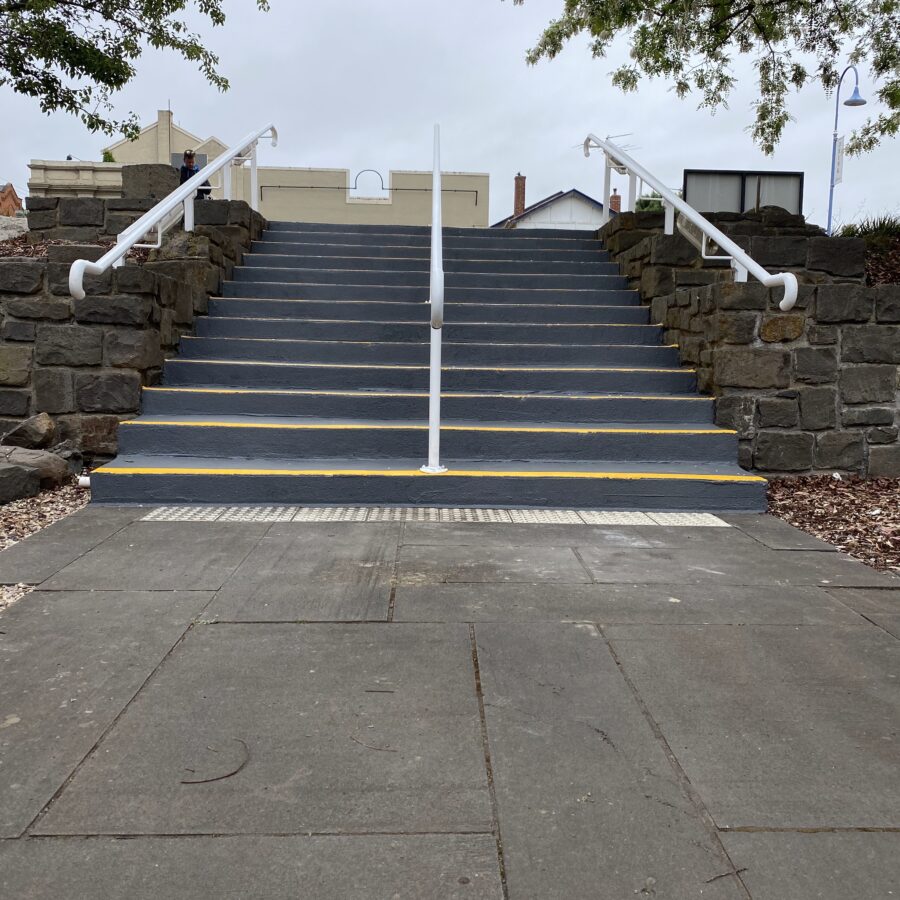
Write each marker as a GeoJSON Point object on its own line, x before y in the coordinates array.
{"type": "Point", "coordinates": [861, 518]}
{"type": "Point", "coordinates": [21, 518]}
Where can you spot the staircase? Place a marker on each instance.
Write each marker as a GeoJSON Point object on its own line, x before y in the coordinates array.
{"type": "Point", "coordinates": [308, 384]}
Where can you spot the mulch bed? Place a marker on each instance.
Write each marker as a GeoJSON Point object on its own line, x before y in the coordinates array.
{"type": "Point", "coordinates": [19, 247]}
{"type": "Point", "coordinates": [21, 518]}
{"type": "Point", "coordinates": [883, 264]}
{"type": "Point", "coordinates": [861, 518]}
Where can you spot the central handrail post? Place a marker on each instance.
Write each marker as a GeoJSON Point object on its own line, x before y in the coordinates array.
{"type": "Point", "coordinates": [436, 299]}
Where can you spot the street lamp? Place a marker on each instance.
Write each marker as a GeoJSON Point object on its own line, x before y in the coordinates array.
{"type": "Point", "coordinates": [853, 100]}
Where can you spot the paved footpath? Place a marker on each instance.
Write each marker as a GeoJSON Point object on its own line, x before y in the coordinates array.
{"type": "Point", "coordinates": [347, 710]}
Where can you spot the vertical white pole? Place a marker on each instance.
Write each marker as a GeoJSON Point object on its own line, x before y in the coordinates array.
{"type": "Point", "coordinates": [670, 218]}
{"type": "Point", "coordinates": [189, 213]}
{"type": "Point", "coordinates": [607, 182]}
{"type": "Point", "coordinates": [437, 314]}
{"type": "Point", "coordinates": [254, 180]}
{"type": "Point", "coordinates": [226, 180]}
{"type": "Point", "coordinates": [632, 191]}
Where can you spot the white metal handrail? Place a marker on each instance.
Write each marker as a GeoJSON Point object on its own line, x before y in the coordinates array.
{"type": "Point", "coordinates": [436, 299]}
{"type": "Point", "coordinates": [166, 213]}
{"type": "Point", "coordinates": [741, 262]}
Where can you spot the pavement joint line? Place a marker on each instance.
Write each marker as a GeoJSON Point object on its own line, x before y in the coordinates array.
{"type": "Point", "coordinates": [137, 835]}
{"type": "Point", "coordinates": [584, 565]}
{"type": "Point", "coordinates": [395, 573]}
{"type": "Point", "coordinates": [812, 829]}
{"type": "Point", "coordinates": [488, 764]}
{"type": "Point", "coordinates": [684, 782]}
{"type": "Point", "coordinates": [96, 745]}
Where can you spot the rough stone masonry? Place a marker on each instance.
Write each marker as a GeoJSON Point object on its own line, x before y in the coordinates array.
{"type": "Point", "coordinates": [814, 389]}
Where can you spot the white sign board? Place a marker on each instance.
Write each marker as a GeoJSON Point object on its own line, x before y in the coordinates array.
{"type": "Point", "coordinates": [839, 162]}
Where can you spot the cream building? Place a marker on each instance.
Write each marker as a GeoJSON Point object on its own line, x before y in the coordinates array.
{"type": "Point", "coordinates": [286, 193]}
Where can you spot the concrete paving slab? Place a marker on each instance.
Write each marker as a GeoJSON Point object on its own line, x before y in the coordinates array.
{"type": "Point", "coordinates": [588, 803]}
{"type": "Point", "coordinates": [326, 727]}
{"type": "Point", "coordinates": [43, 554]}
{"type": "Point", "coordinates": [532, 535]}
{"type": "Point", "coordinates": [776, 727]}
{"type": "Point", "coordinates": [161, 556]}
{"type": "Point", "coordinates": [775, 533]}
{"type": "Point", "coordinates": [70, 663]}
{"type": "Point", "coordinates": [433, 564]}
{"type": "Point", "coordinates": [312, 573]}
{"type": "Point", "coordinates": [677, 604]}
{"type": "Point", "coordinates": [703, 563]}
{"type": "Point", "coordinates": [879, 606]}
{"type": "Point", "coordinates": [829, 866]}
{"type": "Point", "coordinates": [421, 867]}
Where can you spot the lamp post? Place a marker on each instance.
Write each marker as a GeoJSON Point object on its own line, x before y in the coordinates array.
{"type": "Point", "coordinates": [853, 100]}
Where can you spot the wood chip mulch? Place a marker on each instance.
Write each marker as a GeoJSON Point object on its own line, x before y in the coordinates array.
{"type": "Point", "coordinates": [861, 518]}
{"type": "Point", "coordinates": [21, 518]}
{"type": "Point", "coordinates": [19, 247]}
{"type": "Point", "coordinates": [883, 264]}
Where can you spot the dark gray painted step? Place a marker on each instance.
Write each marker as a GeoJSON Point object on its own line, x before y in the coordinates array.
{"type": "Point", "coordinates": [416, 331]}
{"type": "Point", "coordinates": [503, 233]}
{"type": "Point", "coordinates": [455, 312]}
{"type": "Point", "coordinates": [392, 278]}
{"type": "Point", "coordinates": [298, 439]}
{"type": "Point", "coordinates": [476, 406]}
{"type": "Point", "coordinates": [454, 294]}
{"type": "Point", "coordinates": [450, 243]}
{"type": "Point", "coordinates": [352, 264]}
{"type": "Point", "coordinates": [537, 485]}
{"type": "Point", "coordinates": [594, 253]}
{"type": "Point", "coordinates": [329, 376]}
{"type": "Point", "coordinates": [400, 353]}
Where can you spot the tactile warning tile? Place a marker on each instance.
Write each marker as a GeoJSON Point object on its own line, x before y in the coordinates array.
{"type": "Point", "coordinates": [184, 514]}
{"type": "Point", "coordinates": [259, 514]}
{"type": "Point", "coordinates": [694, 520]}
{"type": "Point", "coordinates": [331, 514]}
{"type": "Point", "coordinates": [599, 517]}
{"type": "Point", "coordinates": [544, 517]}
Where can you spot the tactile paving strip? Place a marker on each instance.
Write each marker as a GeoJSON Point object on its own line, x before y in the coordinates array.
{"type": "Point", "coordinates": [428, 514]}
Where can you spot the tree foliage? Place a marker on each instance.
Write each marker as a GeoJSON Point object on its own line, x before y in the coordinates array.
{"type": "Point", "coordinates": [792, 42]}
{"type": "Point", "coordinates": [72, 55]}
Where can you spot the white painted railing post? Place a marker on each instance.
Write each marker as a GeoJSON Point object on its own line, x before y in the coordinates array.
{"type": "Point", "coordinates": [189, 212]}
{"type": "Point", "coordinates": [254, 180]}
{"type": "Point", "coordinates": [632, 191]}
{"type": "Point", "coordinates": [436, 299]}
{"type": "Point", "coordinates": [607, 184]}
{"type": "Point", "coordinates": [226, 182]}
{"type": "Point", "coordinates": [670, 218]}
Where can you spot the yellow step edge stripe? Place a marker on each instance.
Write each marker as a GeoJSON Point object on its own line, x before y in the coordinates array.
{"type": "Point", "coordinates": [298, 393]}
{"type": "Point", "coordinates": [331, 426]}
{"type": "Point", "coordinates": [409, 473]}
{"type": "Point", "coordinates": [271, 340]}
{"type": "Point", "coordinates": [424, 322]}
{"type": "Point", "coordinates": [336, 365]}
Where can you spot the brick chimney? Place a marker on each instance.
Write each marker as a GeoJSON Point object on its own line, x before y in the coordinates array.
{"type": "Point", "coordinates": [615, 202]}
{"type": "Point", "coordinates": [519, 200]}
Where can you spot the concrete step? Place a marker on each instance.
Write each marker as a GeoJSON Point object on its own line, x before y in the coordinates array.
{"type": "Point", "coordinates": [682, 409]}
{"type": "Point", "coordinates": [468, 242]}
{"type": "Point", "coordinates": [295, 438]}
{"type": "Point", "coordinates": [606, 485]}
{"type": "Point", "coordinates": [595, 296]}
{"type": "Point", "coordinates": [350, 265]}
{"type": "Point", "coordinates": [380, 230]}
{"type": "Point", "coordinates": [403, 353]}
{"type": "Point", "coordinates": [417, 331]}
{"type": "Point", "coordinates": [359, 376]}
{"type": "Point", "coordinates": [507, 251]}
{"type": "Point", "coordinates": [420, 279]}
{"type": "Point", "coordinates": [455, 312]}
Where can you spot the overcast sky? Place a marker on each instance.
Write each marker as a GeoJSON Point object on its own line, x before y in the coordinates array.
{"type": "Point", "coordinates": [358, 84]}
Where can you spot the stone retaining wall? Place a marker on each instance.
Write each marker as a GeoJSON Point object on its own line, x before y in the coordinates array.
{"type": "Point", "coordinates": [84, 361]}
{"type": "Point", "coordinates": [815, 389]}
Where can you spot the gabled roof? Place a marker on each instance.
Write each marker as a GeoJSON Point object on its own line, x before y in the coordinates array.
{"type": "Point", "coordinates": [559, 195]}
{"type": "Point", "coordinates": [193, 137]}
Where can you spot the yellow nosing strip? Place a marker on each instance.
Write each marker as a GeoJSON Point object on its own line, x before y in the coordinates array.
{"type": "Point", "coordinates": [410, 473]}
{"type": "Point", "coordinates": [353, 426]}
{"type": "Point", "coordinates": [299, 393]}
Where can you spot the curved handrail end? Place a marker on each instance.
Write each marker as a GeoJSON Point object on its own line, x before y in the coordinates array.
{"type": "Point", "coordinates": [791, 289]}
{"type": "Point", "coordinates": [76, 278]}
